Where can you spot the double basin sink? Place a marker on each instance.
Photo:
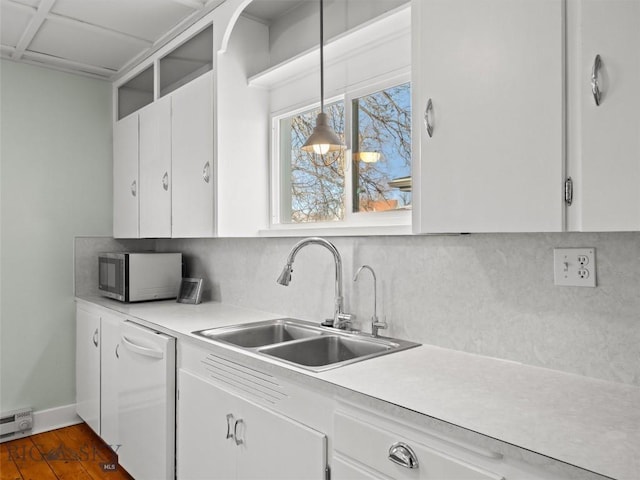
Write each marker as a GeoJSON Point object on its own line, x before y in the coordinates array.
{"type": "Point", "coordinates": [305, 344]}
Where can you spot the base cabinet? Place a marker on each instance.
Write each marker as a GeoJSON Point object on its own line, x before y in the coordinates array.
{"type": "Point", "coordinates": [109, 379]}
{"type": "Point", "coordinates": [391, 454]}
{"type": "Point", "coordinates": [97, 337]}
{"type": "Point", "coordinates": [370, 445]}
{"type": "Point", "coordinates": [88, 367]}
{"type": "Point", "coordinates": [223, 436]}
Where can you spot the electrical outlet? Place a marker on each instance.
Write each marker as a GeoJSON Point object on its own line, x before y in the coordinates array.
{"type": "Point", "coordinates": [574, 267]}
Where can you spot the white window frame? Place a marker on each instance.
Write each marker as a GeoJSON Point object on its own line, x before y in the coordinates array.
{"type": "Point", "coordinates": [354, 223]}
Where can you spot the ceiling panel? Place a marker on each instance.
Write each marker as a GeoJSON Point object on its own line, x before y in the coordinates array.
{"type": "Point", "coordinates": [88, 46]}
{"type": "Point", "coordinates": [93, 37]}
{"type": "Point", "coordinates": [147, 19]}
{"type": "Point", "coordinates": [31, 3]}
{"type": "Point", "coordinates": [12, 24]}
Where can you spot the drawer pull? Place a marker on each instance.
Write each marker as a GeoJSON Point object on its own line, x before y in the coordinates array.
{"type": "Point", "coordinates": [403, 455]}
{"type": "Point", "coordinates": [236, 437]}
{"type": "Point", "coordinates": [230, 420]}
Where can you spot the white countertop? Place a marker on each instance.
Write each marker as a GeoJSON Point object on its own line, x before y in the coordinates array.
{"type": "Point", "coordinates": [589, 423]}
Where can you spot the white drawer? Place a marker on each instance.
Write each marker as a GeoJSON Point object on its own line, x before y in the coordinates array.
{"type": "Point", "coordinates": [370, 445]}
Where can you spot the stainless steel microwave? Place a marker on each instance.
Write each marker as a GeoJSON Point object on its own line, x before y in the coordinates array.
{"type": "Point", "coordinates": [138, 277]}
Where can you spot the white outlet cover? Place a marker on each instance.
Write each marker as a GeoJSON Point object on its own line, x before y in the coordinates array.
{"type": "Point", "coordinates": [568, 270]}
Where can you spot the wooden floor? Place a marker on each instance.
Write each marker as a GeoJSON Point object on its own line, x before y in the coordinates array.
{"type": "Point", "coordinates": [71, 453]}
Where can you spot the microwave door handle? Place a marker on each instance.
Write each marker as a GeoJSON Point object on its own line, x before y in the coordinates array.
{"type": "Point", "coordinates": [144, 351]}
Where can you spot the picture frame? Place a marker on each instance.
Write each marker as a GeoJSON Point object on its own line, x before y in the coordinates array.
{"type": "Point", "coordinates": [190, 291]}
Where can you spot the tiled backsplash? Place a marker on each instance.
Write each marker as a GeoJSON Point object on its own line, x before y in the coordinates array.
{"type": "Point", "coordinates": [491, 294]}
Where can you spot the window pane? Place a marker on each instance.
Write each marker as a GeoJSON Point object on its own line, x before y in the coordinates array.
{"type": "Point", "coordinates": [382, 150]}
{"type": "Point", "coordinates": [312, 185]}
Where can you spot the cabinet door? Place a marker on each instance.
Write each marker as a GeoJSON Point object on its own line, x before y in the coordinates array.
{"type": "Point", "coordinates": [192, 159]}
{"type": "Point", "coordinates": [276, 447]}
{"type": "Point", "coordinates": [605, 162]}
{"type": "Point", "coordinates": [493, 72]}
{"type": "Point", "coordinates": [155, 169]}
{"type": "Point", "coordinates": [88, 367]}
{"type": "Point", "coordinates": [223, 436]}
{"type": "Point", "coordinates": [203, 449]}
{"type": "Point", "coordinates": [125, 178]}
{"type": "Point", "coordinates": [110, 334]}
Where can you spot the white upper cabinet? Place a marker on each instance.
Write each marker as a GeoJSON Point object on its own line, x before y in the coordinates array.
{"type": "Point", "coordinates": [488, 79]}
{"type": "Point", "coordinates": [604, 139]}
{"type": "Point", "coordinates": [155, 169]}
{"type": "Point", "coordinates": [165, 138]}
{"type": "Point", "coordinates": [125, 178]}
{"type": "Point", "coordinates": [199, 177]}
{"type": "Point", "coordinates": [192, 160]}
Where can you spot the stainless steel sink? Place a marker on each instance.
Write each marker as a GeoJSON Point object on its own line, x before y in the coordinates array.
{"type": "Point", "coordinates": [258, 334]}
{"type": "Point", "coordinates": [325, 350]}
{"type": "Point", "coordinates": [305, 344]}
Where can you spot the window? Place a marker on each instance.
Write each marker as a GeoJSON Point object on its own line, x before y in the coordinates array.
{"type": "Point", "coordinates": [353, 186]}
{"type": "Point", "coordinates": [381, 142]}
{"type": "Point", "coordinates": [312, 185]}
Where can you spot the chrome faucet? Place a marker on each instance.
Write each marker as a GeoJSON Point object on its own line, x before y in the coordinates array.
{"type": "Point", "coordinates": [375, 323]}
{"type": "Point", "coordinates": [340, 318]}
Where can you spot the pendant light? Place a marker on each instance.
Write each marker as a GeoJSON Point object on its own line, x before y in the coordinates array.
{"type": "Point", "coordinates": [323, 139]}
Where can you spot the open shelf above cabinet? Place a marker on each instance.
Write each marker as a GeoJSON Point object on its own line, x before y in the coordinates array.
{"type": "Point", "coordinates": [368, 35]}
{"type": "Point", "coordinates": [136, 93]}
{"type": "Point", "coordinates": [187, 62]}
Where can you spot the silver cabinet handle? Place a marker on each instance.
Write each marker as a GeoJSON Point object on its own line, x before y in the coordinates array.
{"type": "Point", "coordinates": [95, 337]}
{"type": "Point", "coordinates": [236, 437]}
{"type": "Point", "coordinates": [428, 118]}
{"type": "Point", "coordinates": [230, 420]}
{"type": "Point", "coordinates": [400, 453]}
{"type": "Point", "coordinates": [117, 354]}
{"type": "Point", "coordinates": [595, 87]}
{"type": "Point", "coordinates": [134, 188]}
{"type": "Point", "coordinates": [206, 172]}
{"type": "Point", "coordinates": [165, 181]}
{"type": "Point", "coordinates": [140, 350]}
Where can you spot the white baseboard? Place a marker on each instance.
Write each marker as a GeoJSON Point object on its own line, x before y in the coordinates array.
{"type": "Point", "coordinates": [53, 418]}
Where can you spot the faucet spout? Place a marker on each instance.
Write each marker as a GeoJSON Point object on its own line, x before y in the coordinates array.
{"type": "Point", "coordinates": [340, 318]}
{"type": "Point", "coordinates": [376, 324]}
{"type": "Point", "coordinates": [285, 276]}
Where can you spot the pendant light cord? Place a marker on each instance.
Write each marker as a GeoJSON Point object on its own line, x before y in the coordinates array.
{"type": "Point", "coordinates": [321, 57]}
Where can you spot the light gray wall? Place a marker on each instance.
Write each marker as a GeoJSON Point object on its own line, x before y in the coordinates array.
{"type": "Point", "coordinates": [491, 294]}
{"type": "Point", "coordinates": [56, 183]}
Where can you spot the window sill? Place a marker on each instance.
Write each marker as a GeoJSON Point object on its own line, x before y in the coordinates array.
{"type": "Point", "coordinates": [332, 230]}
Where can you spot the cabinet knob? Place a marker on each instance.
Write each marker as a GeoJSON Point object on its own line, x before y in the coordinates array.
{"type": "Point", "coordinates": [117, 354]}
{"type": "Point", "coordinates": [595, 86]}
{"type": "Point", "coordinates": [401, 454]}
{"type": "Point", "coordinates": [134, 188]}
{"type": "Point", "coordinates": [428, 118]}
{"type": "Point", "coordinates": [206, 172]}
{"type": "Point", "coordinates": [95, 337]}
{"type": "Point", "coordinates": [165, 181]}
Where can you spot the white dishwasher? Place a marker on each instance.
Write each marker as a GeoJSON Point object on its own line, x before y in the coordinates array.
{"type": "Point", "coordinates": [146, 403]}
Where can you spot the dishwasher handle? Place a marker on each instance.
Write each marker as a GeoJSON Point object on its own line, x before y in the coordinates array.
{"type": "Point", "coordinates": [144, 351]}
